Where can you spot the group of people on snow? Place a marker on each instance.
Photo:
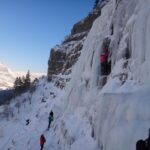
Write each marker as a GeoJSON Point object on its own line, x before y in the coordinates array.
{"type": "Point", "coordinates": [140, 144]}
{"type": "Point", "coordinates": [42, 138]}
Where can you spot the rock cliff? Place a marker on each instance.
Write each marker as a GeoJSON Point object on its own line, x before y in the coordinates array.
{"type": "Point", "coordinates": [64, 56]}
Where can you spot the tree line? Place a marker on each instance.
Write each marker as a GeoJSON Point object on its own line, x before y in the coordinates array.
{"type": "Point", "coordinates": [22, 84]}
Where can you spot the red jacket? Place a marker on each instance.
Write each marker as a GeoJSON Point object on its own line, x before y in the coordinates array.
{"type": "Point", "coordinates": [104, 57]}
{"type": "Point", "coordinates": [42, 140]}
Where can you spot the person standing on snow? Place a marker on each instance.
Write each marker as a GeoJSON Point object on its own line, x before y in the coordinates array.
{"type": "Point", "coordinates": [50, 119]}
{"type": "Point", "coordinates": [42, 141]}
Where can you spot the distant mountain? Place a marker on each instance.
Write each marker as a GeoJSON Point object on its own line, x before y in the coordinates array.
{"type": "Point", "coordinates": [7, 76]}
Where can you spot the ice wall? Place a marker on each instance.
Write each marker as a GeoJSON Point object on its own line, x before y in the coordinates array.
{"type": "Point", "coordinates": [141, 41]}
{"type": "Point", "coordinates": [119, 114]}
{"type": "Point", "coordinates": [86, 71]}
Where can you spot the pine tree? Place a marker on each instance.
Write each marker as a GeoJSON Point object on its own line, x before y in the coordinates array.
{"type": "Point", "coordinates": [18, 86]}
{"type": "Point", "coordinates": [27, 80]}
{"type": "Point", "coordinates": [18, 83]}
{"type": "Point", "coordinates": [23, 84]}
{"type": "Point", "coordinates": [23, 79]}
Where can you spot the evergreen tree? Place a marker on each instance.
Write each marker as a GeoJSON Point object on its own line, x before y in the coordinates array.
{"type": "Point", "coordinates": [18, 83]}
{"type": "Point", "coordinates": [23, 84]}
{"type": "Point", "coordinates": [23, 79]}
{"type": "Point", "coordinates": [27, 80]}
{"type": "Point", "coordinates": [18, 86]}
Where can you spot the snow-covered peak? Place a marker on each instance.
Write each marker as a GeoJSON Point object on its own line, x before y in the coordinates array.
{"type": "Point", "coordinates": [8, 76]}
{"type": "Point", "coordinates": [6, 70]}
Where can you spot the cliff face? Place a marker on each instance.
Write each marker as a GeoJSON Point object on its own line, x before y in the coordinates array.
{"type": "Point", "coordinates": [87, 23]}
{"type": "Point", "coordinates": [64, 56]}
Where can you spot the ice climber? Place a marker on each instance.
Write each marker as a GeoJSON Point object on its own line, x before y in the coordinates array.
{"type": "Point", "coordinates": [105, 65]}
{"type": "Point", "coordinates": [50, 119]}
{"type": "Point", "coordinates": [42, 141]}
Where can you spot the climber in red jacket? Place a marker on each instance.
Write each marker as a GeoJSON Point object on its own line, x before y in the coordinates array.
{"type": "Point", "coordinates": [42, 141]}
{"type": "Point", "coordinates": [104, 58]}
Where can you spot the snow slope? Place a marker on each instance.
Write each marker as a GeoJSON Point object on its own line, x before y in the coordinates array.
{"type": "Point", "coordinates": [14, 134]}
{"type": "Point", "coordinates": [87, 115]}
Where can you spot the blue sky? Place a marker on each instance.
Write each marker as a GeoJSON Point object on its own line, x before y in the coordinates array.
{"type": "Point", "coordinates": [30, 28]}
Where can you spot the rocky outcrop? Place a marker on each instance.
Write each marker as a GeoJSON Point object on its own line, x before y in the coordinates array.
{"type": "Point", "coordinates": [86, 24]}
{"type": "Point", "coordinates": [71, 58]}
{"type": "Point", "coordinates": [65, 55]}
{"type": "Point", "coordinates": [56, 62]}
{"type": "Point", "coordinates": [76, 37]}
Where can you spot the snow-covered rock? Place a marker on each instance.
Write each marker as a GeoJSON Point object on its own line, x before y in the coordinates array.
{"type": "Point", "coordinates": [64, 56]}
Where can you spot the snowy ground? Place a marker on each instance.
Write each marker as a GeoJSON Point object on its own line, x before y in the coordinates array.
{"type": "Point", "coordinates": [14, 133]}
{"type": "Point", "coordinates": [88, 116]}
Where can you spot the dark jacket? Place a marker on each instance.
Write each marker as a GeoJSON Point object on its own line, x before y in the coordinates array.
{"type": "Point", "coordinates": [51, 118]}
